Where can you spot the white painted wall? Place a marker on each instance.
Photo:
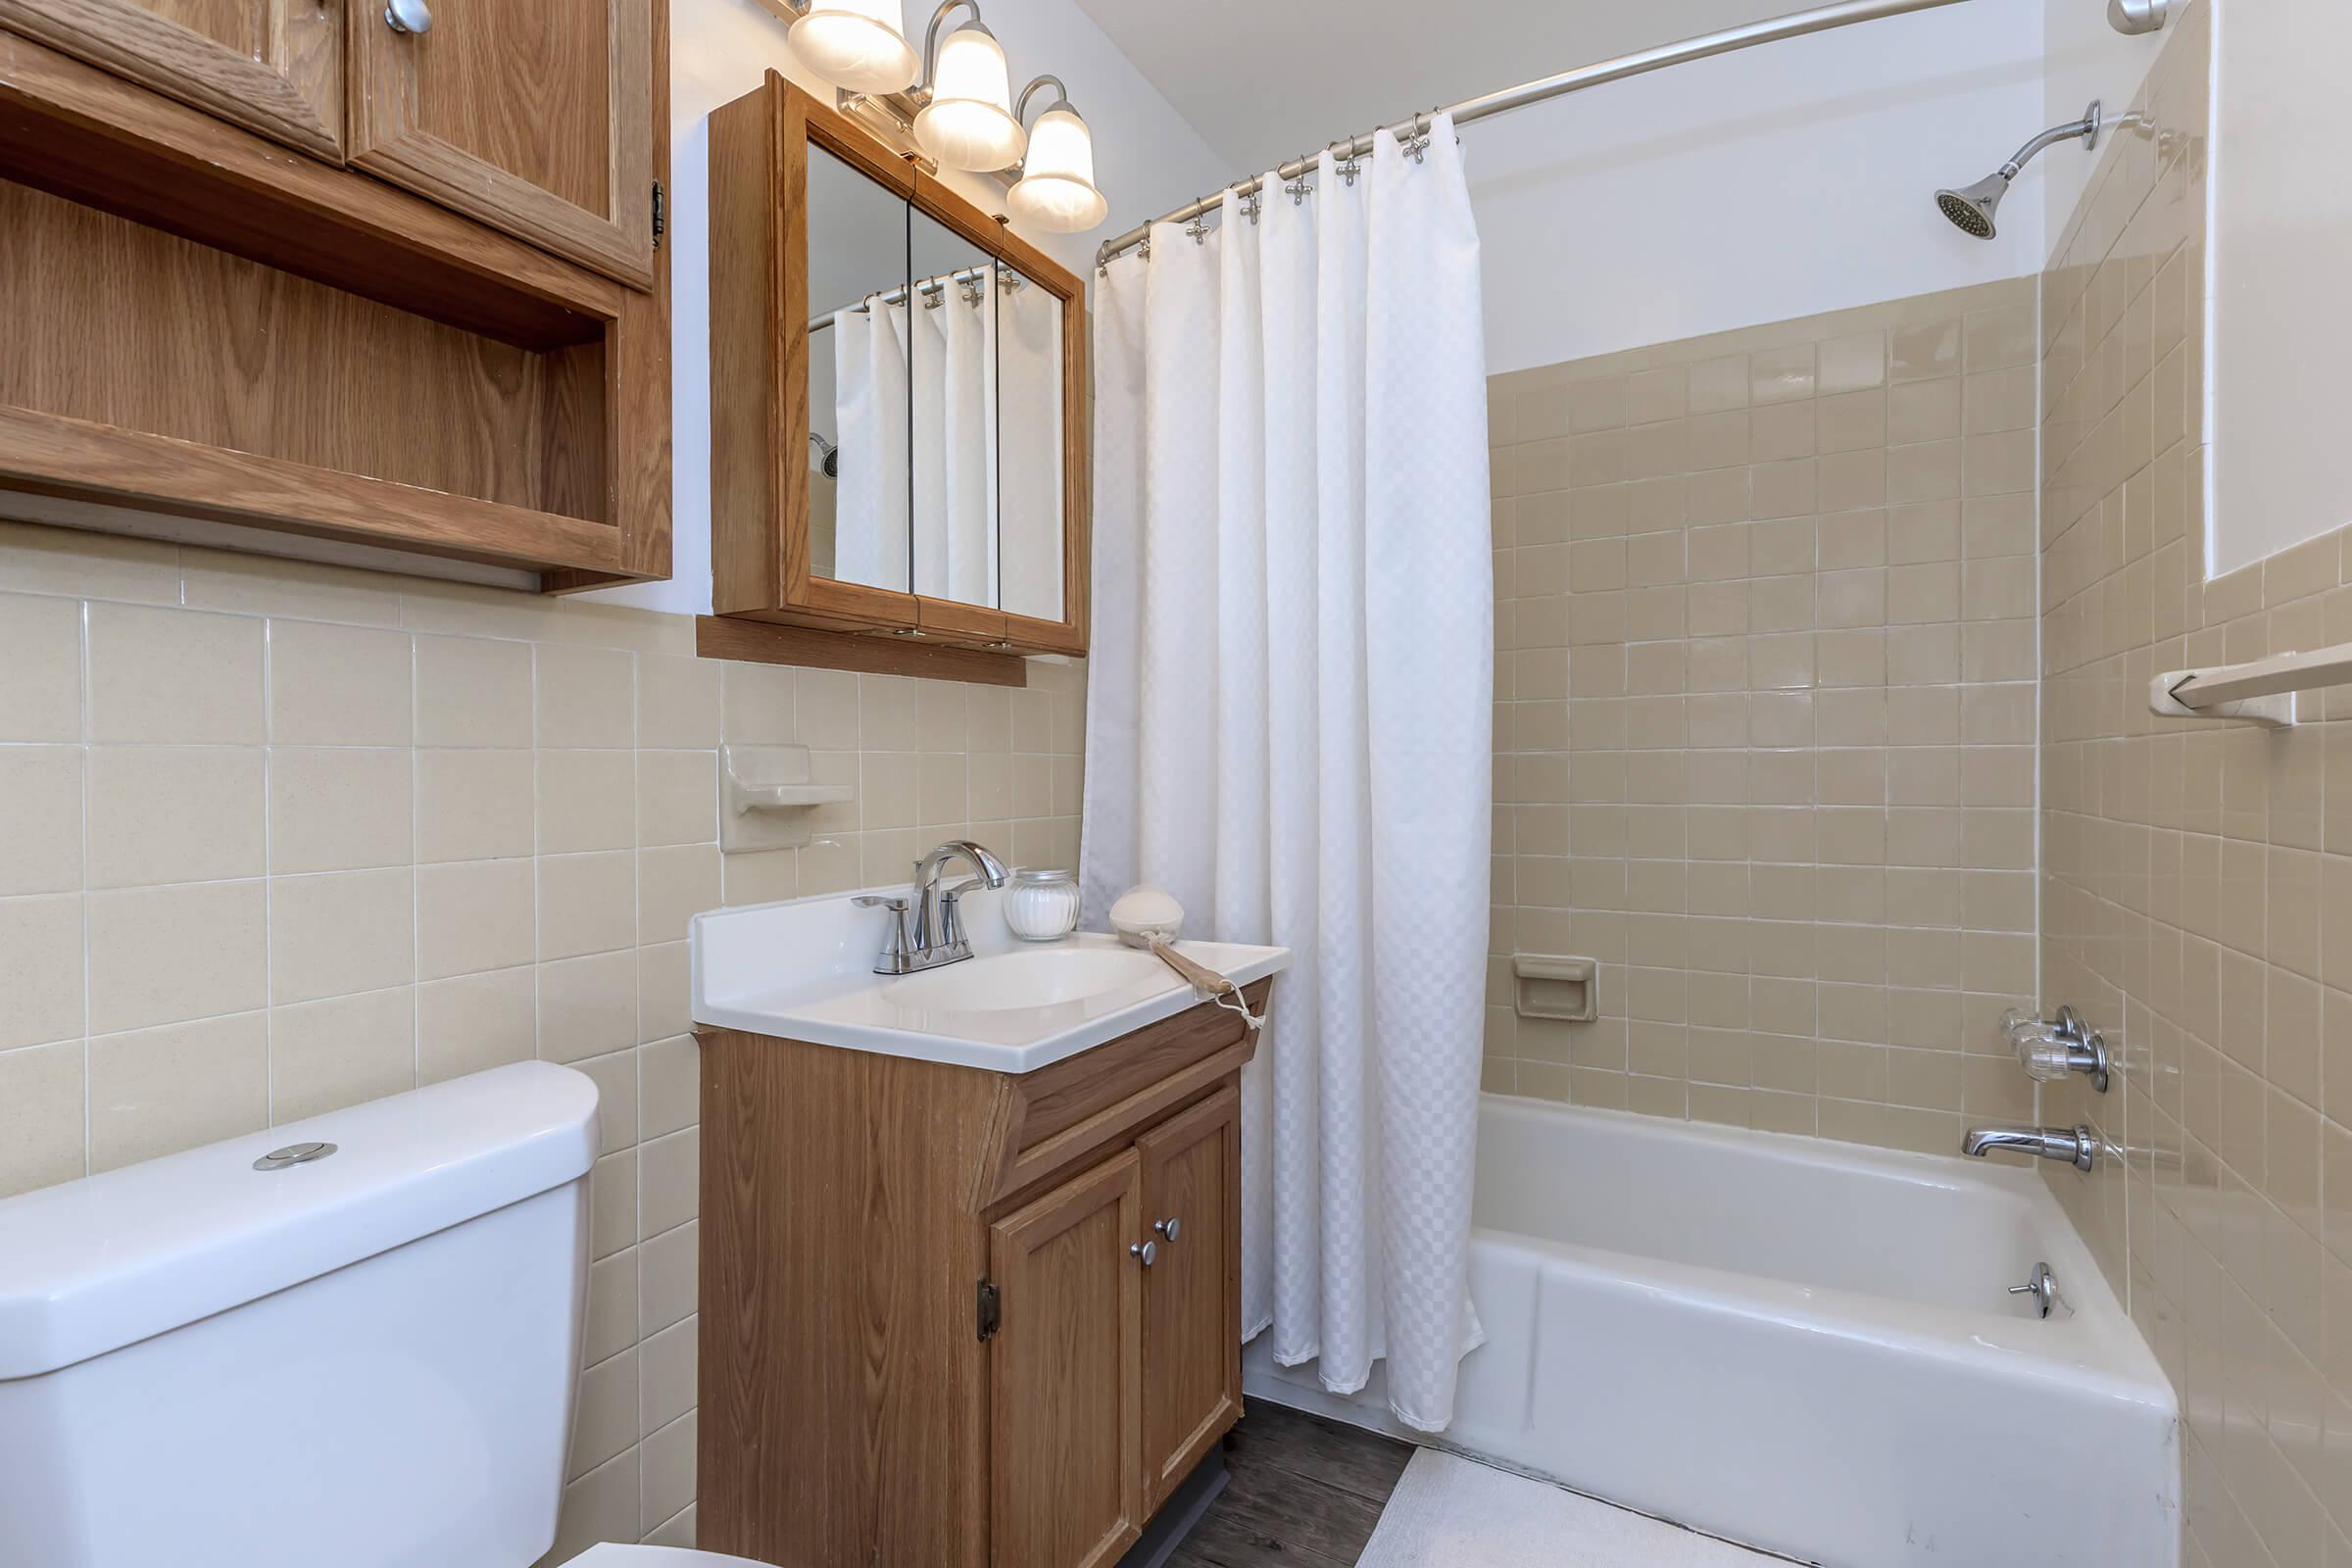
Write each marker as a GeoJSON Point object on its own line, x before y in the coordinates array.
{"type": "Point", "coordinates": [1781, 181]}
{"type": "Point", "coordinates": [2280, 311]}
{"type": "Point", "coordinates": [1148, 160]}
{"type": "Point", "coordinates": [2086, 58]}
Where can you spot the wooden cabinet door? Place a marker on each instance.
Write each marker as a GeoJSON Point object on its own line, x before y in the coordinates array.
{"type": "Point", "coordinates": [1192, 1291]}
{"type": "Point", "coordinates": [1066, 1462]}
{"type": "Point", "coordinates": [274, 66]}
{"type": "Point", "coordinates": [534, 116]}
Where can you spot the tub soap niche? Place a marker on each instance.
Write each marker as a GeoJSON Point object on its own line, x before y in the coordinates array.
{"type": "Point", "coordinates": [1567, 988]}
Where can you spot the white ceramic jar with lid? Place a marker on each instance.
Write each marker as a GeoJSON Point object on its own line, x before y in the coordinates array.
{"type": "Point", "coordinates": [1042, 904]}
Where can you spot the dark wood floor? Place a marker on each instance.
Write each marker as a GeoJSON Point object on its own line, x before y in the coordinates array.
{"type": "Point", "coordinates": [1305, 1493]}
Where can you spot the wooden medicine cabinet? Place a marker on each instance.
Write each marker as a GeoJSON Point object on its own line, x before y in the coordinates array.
{"type": "Point", "coordinates": [897, 400]}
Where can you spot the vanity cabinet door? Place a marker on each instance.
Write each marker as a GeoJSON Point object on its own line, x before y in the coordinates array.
{"type": "Point", "coordinates": [534, 116]}
{"type": "Point", "coordinates": [273, 66]}
{"type": "Point", "coordinates": [1065, 1369]}
{"type": "Point", "coordinates": [1191, 1292]}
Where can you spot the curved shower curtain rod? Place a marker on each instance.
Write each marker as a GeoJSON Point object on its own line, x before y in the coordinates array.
{"type": "Point", "coordinates": [1771, 30]}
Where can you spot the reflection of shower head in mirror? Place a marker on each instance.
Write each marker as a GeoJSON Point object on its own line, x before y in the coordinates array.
{"type": "Point", "coordinates": [828, 456]}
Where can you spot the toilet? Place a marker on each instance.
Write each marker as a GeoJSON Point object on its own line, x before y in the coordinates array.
{"type": "Point", "coordinates": [352, 1340]}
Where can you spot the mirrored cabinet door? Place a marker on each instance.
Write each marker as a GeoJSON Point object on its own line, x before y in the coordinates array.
{"type": "Point", "coordinates": [953, 331]}
{"type": "Point", "coordinates": [1031, 466]}
{"type": "Point", "coordinates": [861, 344]}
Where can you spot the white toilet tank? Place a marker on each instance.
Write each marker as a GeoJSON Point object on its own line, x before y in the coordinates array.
{"type": "Point", "coordinates": [367, 1359]}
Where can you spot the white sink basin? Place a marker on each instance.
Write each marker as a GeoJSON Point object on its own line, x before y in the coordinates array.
{"type": "Point", "coordinates": [803, 970]}
{"type": "Point", "coordinates": [1038, 977]}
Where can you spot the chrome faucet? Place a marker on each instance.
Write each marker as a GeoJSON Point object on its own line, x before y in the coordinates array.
{"type": "Point", "coordinates": [2078, 1146]}
{"type": "Point", "coordinates": [936, 934]}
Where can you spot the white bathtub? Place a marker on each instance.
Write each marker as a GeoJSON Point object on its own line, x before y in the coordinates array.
{"type": "Point", "coordinates": [1800, 1345]}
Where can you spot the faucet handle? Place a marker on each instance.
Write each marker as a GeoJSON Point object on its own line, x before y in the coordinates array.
{"type": "Point", "coordinates": [894, 944]}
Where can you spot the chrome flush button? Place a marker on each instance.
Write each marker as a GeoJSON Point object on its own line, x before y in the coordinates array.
{"type": "Point", "coordinates": [293, 1155]}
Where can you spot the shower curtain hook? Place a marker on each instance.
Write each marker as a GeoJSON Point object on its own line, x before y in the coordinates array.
{"type": "Point", "coordinates": [1418, 145]}
{"type": "Point", "coordinates": [1300, 188]}
{"type": "Point", "coordinates": [1347, 168]}
{"type": "Point", "coordinates": [1252, 205]}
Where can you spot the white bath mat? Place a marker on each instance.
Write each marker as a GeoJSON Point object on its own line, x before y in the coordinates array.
{"type": "Point", "coordinates": [1448, 1512]}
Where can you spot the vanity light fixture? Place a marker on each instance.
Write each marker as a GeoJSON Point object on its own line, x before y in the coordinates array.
{"type": "Point", "coordinates": [967, 120]}
{"type": "Point", "coordinates": [1057, 190]}
{"type": "Point", "coordinates": [857, 44]}
{"type": "Point", "coordinates": [960, 113]}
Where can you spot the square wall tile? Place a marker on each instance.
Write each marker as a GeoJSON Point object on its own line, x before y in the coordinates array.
{"type": "Point", "coordinates": [475, 1022]}
{"type": "Point", "coordinates": [40, 818]}
{"type": "Point", "coordinates": [677, 702]}
{"type": "Point", "coordinates": [174, 677]}
{"type": "Point", "coordinates": [327, 1054]}
{"type": "Point", "coordinates": [40, 648]}
{"type": "Point", "coordinates": [587, 696]}
{"type": "Point", "coordinates": [335, 685]}
{"type": "Point", "coordinates": [340, 932]}
{"type": "Point", "coordinates": [175, 813]}
{"type": "Point", "coordinates": [472, 692]}
{"type": "Point", "coordinates": [171, 954]}
{"type": "Point", "coordinates": [474, 805]}
{"type": "Point", "coordinates": [40, 970]}
{"type": "Point", "coordinates": [340, 808]}
{"type": "Point", "coordinates": [156, 1092]}
{"type": "Point", "coordinates": [41, 1101]}
{"type": "Point", "coordinates": [474, 915]}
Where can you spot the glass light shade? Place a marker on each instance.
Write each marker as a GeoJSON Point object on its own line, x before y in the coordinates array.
{"type": "Point", "coordinates": [857, 44]}
{"type": "Point", "coordinates": [969, 123]}
{"type": "Point", "coordinates": [1056, 191]}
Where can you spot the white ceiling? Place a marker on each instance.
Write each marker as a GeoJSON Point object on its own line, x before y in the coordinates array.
{"type": "Point", "coordinates": [1267, 80]}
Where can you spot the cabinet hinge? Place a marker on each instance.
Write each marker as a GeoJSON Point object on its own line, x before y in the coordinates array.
{"type": "Point", "coordinates": [660, 214]}
{"type": "Point", "coordinates": [992, 1310]}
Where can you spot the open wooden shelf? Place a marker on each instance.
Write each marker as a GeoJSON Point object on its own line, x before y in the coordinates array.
{"type": "Point", "coordinates": [202, 322]}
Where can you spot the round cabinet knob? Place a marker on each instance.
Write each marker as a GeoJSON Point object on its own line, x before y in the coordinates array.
{"type": "Point", "coordinates": [1168, 1228]}
{"type": "Point", "coordinates": [1147, 1251]}
{"type": "Point", "coordinates": [408, 16]}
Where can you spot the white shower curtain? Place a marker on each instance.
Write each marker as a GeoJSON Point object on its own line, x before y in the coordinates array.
{"type": "Point", "coordinates": [1289, 717]}
{"type": "Point", "coordinates": [869, 412]}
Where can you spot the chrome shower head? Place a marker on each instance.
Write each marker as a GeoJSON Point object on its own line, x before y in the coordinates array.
{"type": "Point", "coordinates": [828, 456]}
{"type": "Point", "coordinates": [1971, 208]}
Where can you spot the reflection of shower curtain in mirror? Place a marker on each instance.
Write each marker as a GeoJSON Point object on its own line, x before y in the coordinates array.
{"type": "Point", "coordinates": [954, 406]}
{"type": "Point", "coordinates": [870, 387]}
{"type": "Point", "coordinates": [1029, 466]}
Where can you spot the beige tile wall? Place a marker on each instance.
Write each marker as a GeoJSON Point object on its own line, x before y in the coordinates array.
{"type": "Point", "coordinates": [2198, 892]}
{"type": "Point", "coordinates": [275, 839]}
{"type": "Point", "coordinates": [1765, 718]}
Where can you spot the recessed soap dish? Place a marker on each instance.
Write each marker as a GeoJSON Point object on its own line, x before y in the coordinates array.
{"type": "Point", "coordinates": [766, 795]}
{"type": "Point", "coordinates": [1545, 987]}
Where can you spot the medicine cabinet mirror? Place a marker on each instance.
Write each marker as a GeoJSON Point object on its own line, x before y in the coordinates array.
{"type": "Point", "coordinates": [898, 398]}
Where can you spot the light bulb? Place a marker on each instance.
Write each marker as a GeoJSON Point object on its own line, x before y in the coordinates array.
{"type": "Point", "coordinates": [857, 44]}
{"type": "Point", "coordinates": [969, 123]}
{"type": "Point", "coordinates": [1056, 191]}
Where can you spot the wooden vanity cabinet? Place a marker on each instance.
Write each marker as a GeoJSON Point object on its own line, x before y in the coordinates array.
{"type": "Point", "coordinates": [931, 1333]}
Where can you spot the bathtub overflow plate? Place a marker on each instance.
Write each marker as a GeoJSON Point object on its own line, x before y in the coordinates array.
{"type": "Point", "coordinates": [2041, 1285]}
{"type": "Point", "coordinates": [293, 1155]}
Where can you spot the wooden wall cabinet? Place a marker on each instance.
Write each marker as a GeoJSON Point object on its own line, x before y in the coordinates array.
{"type": "Point", "coordinates": [198, 323]}
{"type": "Point", "coordinates": [778, 280]}
{"type": "Point", "coordinates": [929, 1334]}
